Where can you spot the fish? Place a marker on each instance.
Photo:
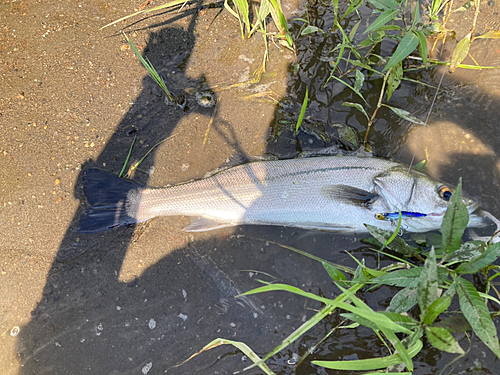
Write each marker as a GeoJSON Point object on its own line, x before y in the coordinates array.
{"type": "Point", "coordinates": [339, 193]}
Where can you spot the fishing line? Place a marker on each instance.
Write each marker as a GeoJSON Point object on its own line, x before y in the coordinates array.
{"type": "Point", "coordinates": [433, 100]}
{"type": "Point", "coordinates": [428, 115]}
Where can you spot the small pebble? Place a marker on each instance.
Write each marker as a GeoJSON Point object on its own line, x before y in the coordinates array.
{"type": "Point", "coordinates": [14, 331]}
{"type": "Point", "coordinates": [57, 181]}
{"type": "Point", "coordinates": [152, 324]}
{"type": "Point", "coordinates": [147, 367]}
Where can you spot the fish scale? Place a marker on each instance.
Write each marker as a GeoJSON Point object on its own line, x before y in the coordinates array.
{"type": "Point", "coordinates": [257, 192]}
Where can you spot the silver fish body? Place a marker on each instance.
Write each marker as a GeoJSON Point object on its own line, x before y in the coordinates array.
{"type": "Point", "coordinates": [334, 193]}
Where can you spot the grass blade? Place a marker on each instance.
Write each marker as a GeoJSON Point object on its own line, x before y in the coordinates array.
{"type": "Point", "coordinates": [243, 9]}
{"type": "Point", "coordinates": [302, 111]}
{"type": "Point", "coordinates": [296, 334]}
{"type": "Point", "coordinates": [313, 257]}
{"type": "Point", "coordinates": [435, 8]}
{"type": "Point", "coordinates": [136, 165]}
{"type": "Point", "coordinates": [307, 325]}
{"type": "Point", "coordinates": [492, 34]}
{"type": "Point", "coordinates": [151, 70]}
{"type": "Point", "coordinates": [370, 364]}
{"type": "Point", "coordinates": [389, 330]}
{"type": "Point", "coordinates": [355, 4]}
{"type": "Point", "coordinates": [128, 157]}
{"type": "Point", "coordinates": [159, 7]}
{"type": "Point", "coordinates": [240, 345]}
{"type": "Point", "coordinates": [339, 57]}
{"type": "Point", "coordinates": [282, 25]}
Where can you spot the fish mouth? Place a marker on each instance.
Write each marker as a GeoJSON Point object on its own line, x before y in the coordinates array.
{"type": "Point", "coordinates": [472, 207]}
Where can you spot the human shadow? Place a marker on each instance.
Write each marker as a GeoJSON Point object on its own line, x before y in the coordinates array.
{"type": "Point", "coordinates": [104, 325]}
{"type": "Point", "coordinates": [96, 315]}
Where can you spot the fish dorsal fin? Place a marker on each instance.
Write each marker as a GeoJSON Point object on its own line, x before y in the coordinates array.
{"type": "Point", "coordinates": [202, 224]}
{"type": "Point", "coordinates": [349, 194]}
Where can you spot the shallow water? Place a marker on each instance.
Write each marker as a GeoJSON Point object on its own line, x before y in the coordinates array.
{"type": "Point", "coordinates": [139, 300]}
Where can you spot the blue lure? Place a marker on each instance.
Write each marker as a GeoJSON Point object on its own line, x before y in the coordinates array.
{"type": "Point", "coordinates": [395, 215]}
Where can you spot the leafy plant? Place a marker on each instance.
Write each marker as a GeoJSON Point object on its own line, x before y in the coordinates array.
{"type": "Point", "coordinates": [432, 280]}
{"type": "Point", "coordinates": [397, 21]}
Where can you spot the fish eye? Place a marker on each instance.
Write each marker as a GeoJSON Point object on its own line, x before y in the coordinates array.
{"type": "Point", "coordinates": [379, 217]}
{"type": "Point", "coordinates": [445, 193]}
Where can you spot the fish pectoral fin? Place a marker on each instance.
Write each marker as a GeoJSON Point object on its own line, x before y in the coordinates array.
{"type": "Point", "coordinates": [202, 224]}
{"type": "Point", "coordinates": [349, 194]}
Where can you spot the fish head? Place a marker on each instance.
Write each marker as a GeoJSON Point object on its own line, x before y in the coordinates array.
{"type": "Point", "coordinates": [413, 191]}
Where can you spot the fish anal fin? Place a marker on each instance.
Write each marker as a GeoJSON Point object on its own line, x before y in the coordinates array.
{"type": "Point", "coordinates": [202, 224]}
{"type": "Point", "coordinates": [328, 228]}
{"type": "Point", "coordinates": [349, 194]}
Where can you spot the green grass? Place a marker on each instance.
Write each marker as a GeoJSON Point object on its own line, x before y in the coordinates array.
{"type": "Point", "coordinates": [151, 70]}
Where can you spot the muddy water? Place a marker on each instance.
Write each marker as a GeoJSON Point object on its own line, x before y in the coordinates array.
{"type": "Point", "coordinates": [142, 300]}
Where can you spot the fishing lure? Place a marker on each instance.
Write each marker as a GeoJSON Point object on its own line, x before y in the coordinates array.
{"type": "Point", "coordinates": [395, 215]}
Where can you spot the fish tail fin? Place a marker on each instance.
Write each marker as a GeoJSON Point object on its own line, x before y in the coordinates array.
{"type": "Point", "coordinates": [108, 196]}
